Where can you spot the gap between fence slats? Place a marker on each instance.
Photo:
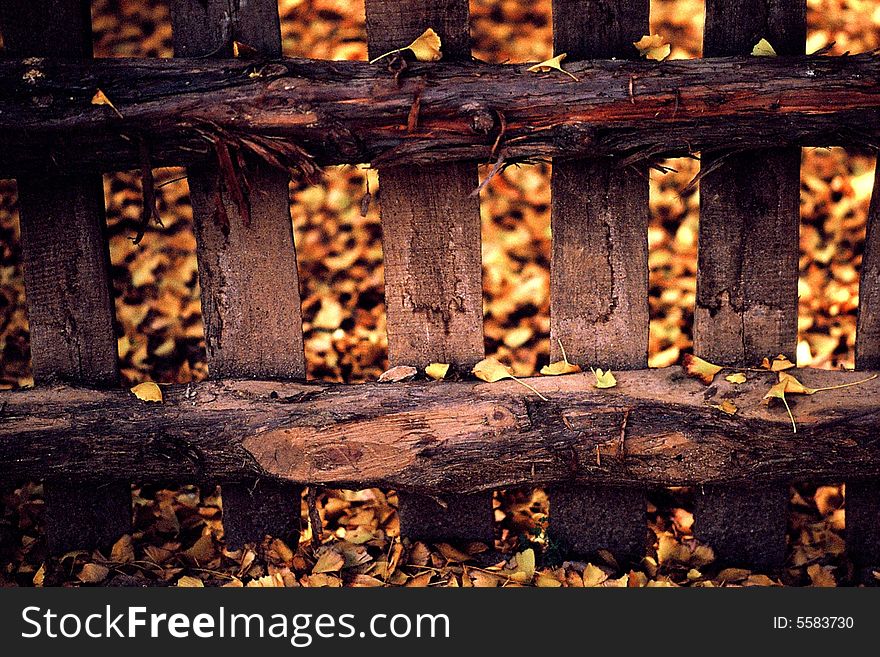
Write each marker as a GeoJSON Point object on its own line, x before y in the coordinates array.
{"type": "Point", "coordinates": [599, 274]}
{"type": "Point", "coordinates": [431, 245]}
{"type": "Point", "coordinates": [746, 305]}
{"type": "Point", "coordinates": [67, 285]}
{"type": "Point", "coordinates": [247, 264]}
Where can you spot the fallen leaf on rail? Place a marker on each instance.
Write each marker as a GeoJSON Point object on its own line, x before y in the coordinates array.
{"type": "Point", "coordinates": [552, 64]}
{"type": "Point", "coordinates": [794, 386]}
{"type": "Point", "coordinates": [763, 49]}
{"type": "Point", "coordinates": [653, 47]}
{"type": "Point", "coordinates": [560, 367]}
{"type": "Point", "coordinates": [699, 368]}
{"type": "Point", "coordinates": [244, 51]}
{"type": "Point", "coordinates": [437, 371]}
{"type": "Point", "coordinates": [492, 370]}
{"type": "Point", "coordinates": [737, 377]}
{"type": "Point", "coordinates": [399, 373]}
{"type": "Point", "coordinates": [426, 48]}
{"type": "Point", "coordinates": [603, 379]}
{"type": "Point", "coordinates": [779, 364]}
{"type": "Point", "coordinates": [777, 391]}
{"type": "Point", "coordinates": [726, 406]}
{"type": "Point", "coordinates": [100, 98]}
{"type": "Point", "coordinates": [148, 392]}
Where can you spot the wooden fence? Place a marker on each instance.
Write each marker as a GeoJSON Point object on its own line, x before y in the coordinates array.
{"type": "Point", "coordinates": [444, 446]}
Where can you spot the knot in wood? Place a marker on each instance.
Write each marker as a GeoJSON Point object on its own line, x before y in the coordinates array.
{"type": "Point", "coordinates": [574, 136]}
{"type": "Point", "coordinates": [480, 117]}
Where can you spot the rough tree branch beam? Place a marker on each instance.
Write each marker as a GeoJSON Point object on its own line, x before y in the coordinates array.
{"type": "Point", "coordinates": [353, 112]}
{"type": "Point", "coordinates": [447, 438]}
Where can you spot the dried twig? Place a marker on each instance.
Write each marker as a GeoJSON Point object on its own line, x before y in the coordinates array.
{"type": "Point", "coordinates": [148, 191]}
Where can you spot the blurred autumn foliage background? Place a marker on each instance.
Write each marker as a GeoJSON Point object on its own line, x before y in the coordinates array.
{"type": "Point", "coordinates": [178, 535]}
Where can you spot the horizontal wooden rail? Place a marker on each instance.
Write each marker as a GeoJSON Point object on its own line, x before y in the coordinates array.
{"type": "Point", "coordinates": [352, 112]}
{"type": "Point", "coordinates": [655, 428]}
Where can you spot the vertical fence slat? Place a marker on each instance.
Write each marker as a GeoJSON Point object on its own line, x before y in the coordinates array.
{"type": "Point", "coordinates": [863, 498]}
{"type": "Point", "coordinates": [599, 275]}
{"type": "Point", "coordinates": [67, 284]}
{"type": "Point", "coordinates": [249, 282]}
{"type": "Point", "coordinates": [747, 277]}
{"type": "Point", "coordinates": [431, 242]}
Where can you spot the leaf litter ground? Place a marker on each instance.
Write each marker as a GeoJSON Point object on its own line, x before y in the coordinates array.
{"type": "Point", "coordinates": [177, 536]}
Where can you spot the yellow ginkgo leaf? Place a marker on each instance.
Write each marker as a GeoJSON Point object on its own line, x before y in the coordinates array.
{"type": "Point", "coordinates": [736, 377]}
{"type": "Point", "coordinates": [726, 406]}
{"type": "Point", "coordinates": [148, 392]}
{"type": "Point", "coordinates": [603, 379]}
{"type": "Point", "coordinates": [779, 364]}
{"type": "Point", "coordinates": [794, 386]}
{"type": "Point", "coordinates": [787, 383]}
{"type": "Point", "coordinates": [763, 49]}
{"type": "Point", "coordinates": [653, 47]}
{"type": "Point", "coordinates": [777, 391]}
{"type": "Point", "coordinates": [699, 368]}
{"type": "Point", "coordinates": [188, 582]}
{"type": "Point", "coordinates": [426, 48]}
{"type": "Point", "coordinates": [491, 370]}
{"type": "Point", "coordinates": [560, 366]}
{"type": "Point", "coordinates": [525, 567]}
{"type": "Point", "coordinates": [437, 371]}
{"type": "Point", "coordinates": [100, 98]}
{"type": "Point", "coordinates": [552, 64]}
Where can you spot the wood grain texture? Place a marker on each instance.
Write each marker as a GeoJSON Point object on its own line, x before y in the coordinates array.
{"type": "Point", "coordinates": [247, 266]}
{"type": "Point", "coordinates": [746, 306]}
{"type": "Point", "coordinates": [863, 498]}
{"type": "Point", "coordinates": [67, 284]}
{"type": "Point", "coordinates": [354, 112]}
{"type": "Point", "coordinates": [442, 438]}
{"type": "Point", "coordinates": [868, 329]}
{"type": "Point", "coordinates": [599, 273]}
{"type": "Point", "coordinates": [431, 245]}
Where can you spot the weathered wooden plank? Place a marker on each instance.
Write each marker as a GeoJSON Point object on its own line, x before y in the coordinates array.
{"type": "Point", "coordinates": [868, 329]}
{"type": "Point", "coordinates": [67, 284]}
{"type": "Point", "coordinates": [863, 498]}
{"type": "Point", "coordinates": [247, 262]}
{"type": "Point", "coordinates": [863, 523]}
{"type": "Point", "coordinates": [431, 244]}
{"type": "Point", "coordinates": [330, 109]}
{"type": "Point", "coordinates": [746, 305]}
{"type": "Point", "coordinates": [599, 274]}
{"type": "Point", "coordinates": [452, 437]}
